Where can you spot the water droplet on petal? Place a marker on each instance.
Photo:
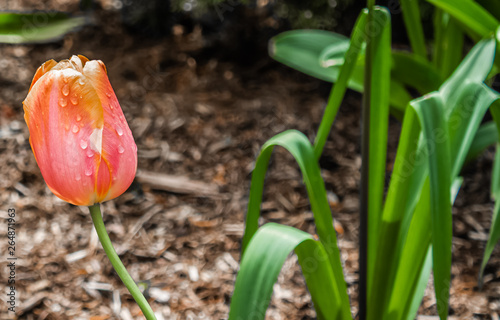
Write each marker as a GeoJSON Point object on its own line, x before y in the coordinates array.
{"type": "Point", "coordinates": [65, 79]}
{"type": "Point", "coordinates": [108, 94]}
{"type": "Point", "coordinates": [78, 117]}
{"type": "Point", "coordinates": [81, 82]}
{"type": "Point", "coordinates": [65, 90]}
{"type": "Point", "coordinates": [63, 102]}
{"type": "Point", "coordinates": [121, 149]}
{"type": "Point", "coordinates": [90, 154]}
{"type": "Point", "coordinates": [119, 130]}
{"type": "Point", "coordinates": [88, 172]}
{"type": "Point", "coordinates": [75, 128]}
{"type": "Point", "coordinates": [83, 144]}
{"type": "Point", "coordinates": [66, 126]}
{"type": "Point", "coordinates": [78, 178]}
{"type": "Point", "coordinates": [74, 99]}
{"type": "Point", "coordinates": [111, 106]}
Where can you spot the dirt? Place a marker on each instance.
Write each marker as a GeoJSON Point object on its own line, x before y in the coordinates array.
{"type": "Point", "coordinates": [198, 114]}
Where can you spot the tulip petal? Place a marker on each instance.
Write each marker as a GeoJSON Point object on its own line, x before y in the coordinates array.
{"type": "Point", "coordinates": [119, 151]}
{"type": "Point", "coordinates": [43, 69]}
{"type": "Point", "coordinates": [63, 112]}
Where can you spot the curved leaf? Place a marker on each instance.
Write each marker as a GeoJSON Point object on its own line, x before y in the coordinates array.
{"type": "Point", "coordinates": [471, 14]}
{"type": "Point", "coordinates": [302, 150]}
{"type": "Point", "coordinates": [263, 260]}
{"type": "Point", "coordinates": [303, 50]}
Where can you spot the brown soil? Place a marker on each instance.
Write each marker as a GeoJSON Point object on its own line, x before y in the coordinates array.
{"type": "Point", "coordinates": [202, 118]}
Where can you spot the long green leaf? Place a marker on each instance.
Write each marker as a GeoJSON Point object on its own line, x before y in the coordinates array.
{"type": "Point", "coordinates": [494, 235]}
{"type": "Point", "coordinates": [448, 43]}
{"type": "Point", "coordinates": [434, 128]}
{"type": "Point", "coordinates": [411, 17]}
{"type": "Point", "coordinates": [338, 91]}
{"type": "Point", "coordinates": [263, 260]}
{"type": "Point", "coordinates": [37, 27]}
{"type": "Point", "coordinates": [471, 14]}
{"type": "Point", "coordinates": [375, 119]}
{"type": "Point", "coordinates": [302, 150]}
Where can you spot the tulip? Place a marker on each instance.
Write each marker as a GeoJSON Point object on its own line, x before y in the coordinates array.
{"type": "Point", "coordinates": [79, 136]}
{"type": "Point", "coordinates": [82, 144]}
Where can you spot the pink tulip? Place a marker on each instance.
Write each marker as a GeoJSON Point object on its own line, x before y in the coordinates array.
{"type": "Point", "coordinates": [81, 140]}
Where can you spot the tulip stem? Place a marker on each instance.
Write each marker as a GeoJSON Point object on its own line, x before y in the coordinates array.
{"type": "Point", "coordinates": [95, 212]}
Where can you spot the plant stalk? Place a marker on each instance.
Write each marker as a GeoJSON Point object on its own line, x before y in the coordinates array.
{"type": "Point", "coordinates": [95, 212]}
{"type": "Point", "coordinates": [365, 161]}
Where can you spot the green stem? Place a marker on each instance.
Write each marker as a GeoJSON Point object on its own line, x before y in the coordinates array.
{"type": "Point", "coordinates": [95, 212]}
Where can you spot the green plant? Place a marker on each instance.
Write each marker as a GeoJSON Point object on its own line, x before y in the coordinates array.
{"type": "Point", "coordinates": [37, 26]}
{"type": "Point", "coordinates": [440, 132]}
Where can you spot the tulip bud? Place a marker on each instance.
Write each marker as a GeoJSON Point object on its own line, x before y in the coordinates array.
{"type": "Point", "coordinates": [79, 136]}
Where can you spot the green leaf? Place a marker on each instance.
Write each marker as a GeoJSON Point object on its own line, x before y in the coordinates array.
{"type": "Point", "coordinates": [302, 150]}
{"type": "Point", "coordinates": [37, 27]}
{"type": "Point", "coordinates": [466, 100]}
{"type": "Point", "coordinates": [434, 128]}
{"type": "Point", "coordinates": [303, 50]}
{"type": "Point", "coordinates": [411, 17]}
{"type": "Point", "coordinates": [492, 6]}
{"type": "Point", "coordinates": [494, 236]}
{"type": "Point", "coordinates": [471, 14]}
{"type": "Point", "coordinates": [375, 119]}
{"type": "Point", "coordinates": [412, 267]}
{"type": "Point", "coordinates": [262, 262]}
{"type": "Point", "coordinates": [487, 135]}
{"type": "Point", "coordinates": [448, 43]}
{"type": "Point", "coordinates": [414, 71]}
{"type": "Point", "coordinates": [349, 60]}
{"type": "Point", "coordinates": [464, 119]}
{"type": "Point", "coordinates": [474, 68]}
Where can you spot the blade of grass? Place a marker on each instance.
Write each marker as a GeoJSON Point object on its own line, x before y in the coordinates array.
{"type": "Point", "coordinates": [413, 23]}
{"type": "Point", "coordinates": [375, 122]}
{"type": "Point", "coordinates": [302, 150]}
{"type": "Point", "coordinates": [339, 89]}
{"type": "Point", "coordinates": [37, 27]}
{"type": "Point", "coordinates": [263, 260]}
